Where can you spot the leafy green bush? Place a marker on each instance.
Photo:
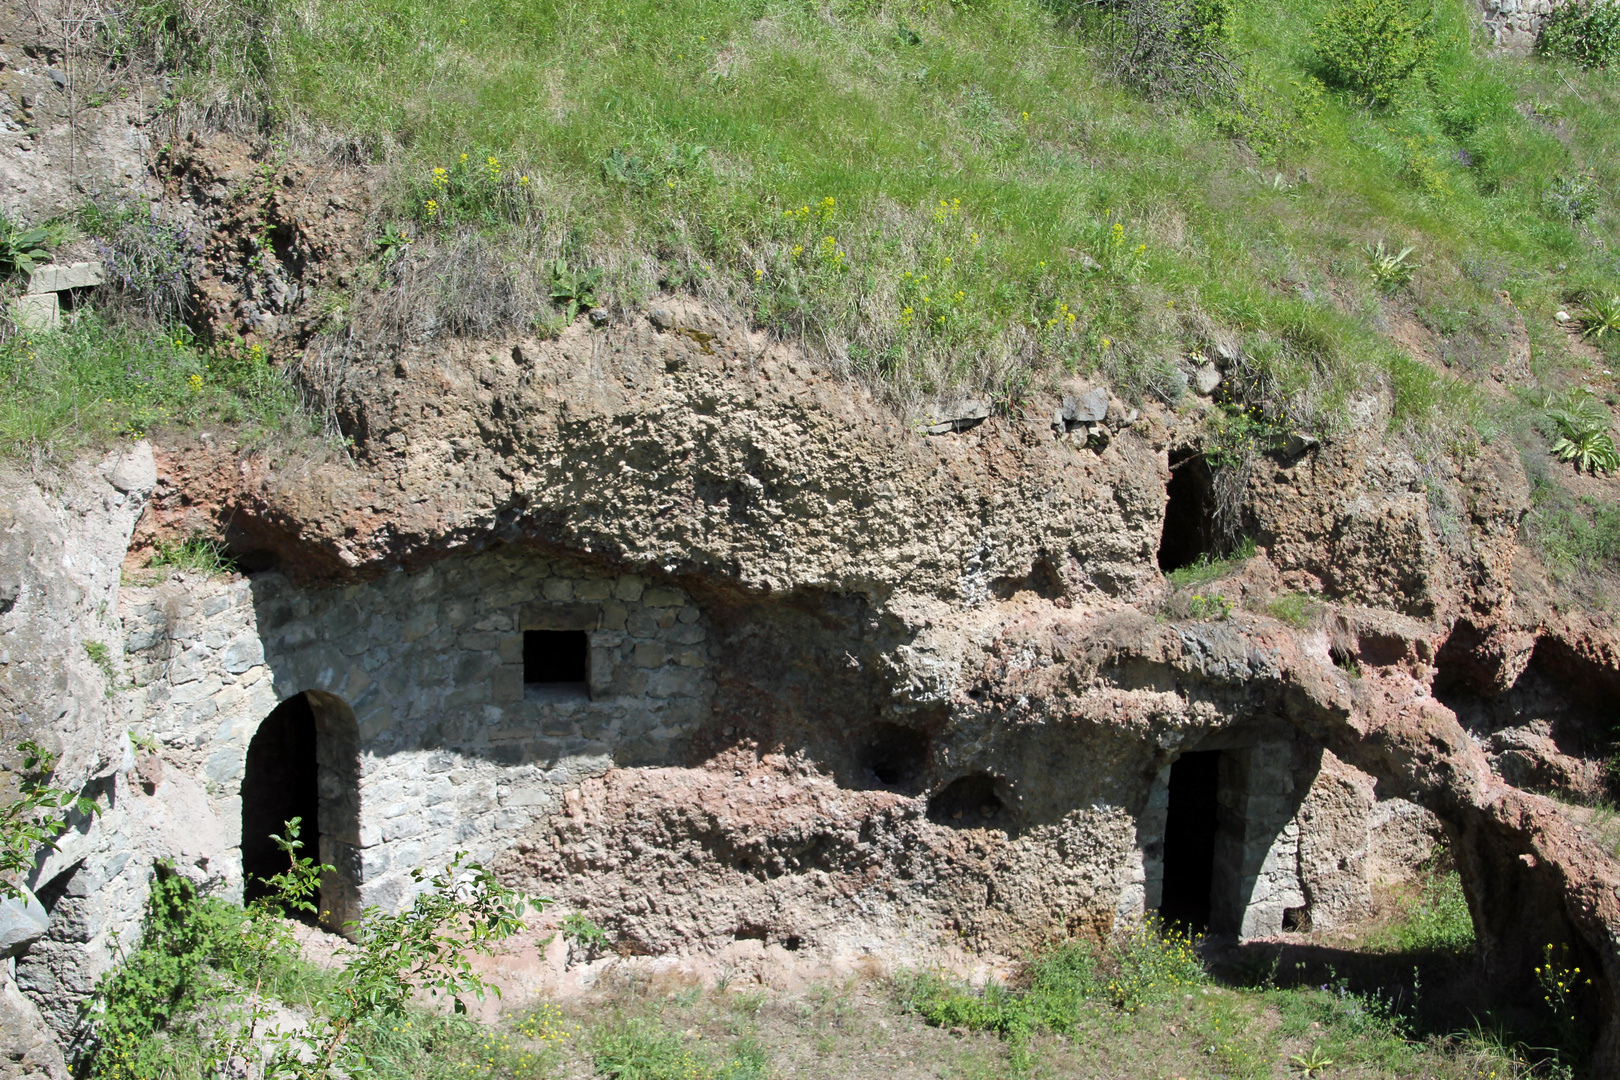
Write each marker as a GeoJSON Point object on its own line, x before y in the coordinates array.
{"type": "Point", "coordinates": [39, 812]}
{"type": "Point", "coordinates": [23, 249]}
{"type": "Point", "coordinates": [180, 993]}
{"type": "Point", "coordinates": [1439, 920]}
{"type": "Point", "coordinates": [1582, 432]}
{"type": "Point", "coordinates": [1372, 48]}
{"type": "Point", "coordinates": [1585, 31]}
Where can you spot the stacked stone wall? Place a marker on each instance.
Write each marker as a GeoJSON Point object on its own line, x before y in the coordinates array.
{"type": "Point", "coordinates": [456, 753]}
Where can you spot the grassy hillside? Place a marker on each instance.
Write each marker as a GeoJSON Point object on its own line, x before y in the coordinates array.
{"type": "Point", "coordinates": [947, 198]}
{"type": "Point", "coordinates": [968, 194]}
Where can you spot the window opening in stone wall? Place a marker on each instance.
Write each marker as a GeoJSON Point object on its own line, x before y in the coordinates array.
{"type": "Point", "coordinates": [1189, 515]}
{"type": "Point", "coordinates": [280, 783]}
{"type": "Point", "coordinates": [1189, 839]}
{"type": "Point", "coordinates": [555, 658]}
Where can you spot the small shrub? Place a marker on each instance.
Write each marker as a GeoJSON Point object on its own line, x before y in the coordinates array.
{"type": "Point", "coordinates": [23, 249]}
{"type": "Point", "coordinates": [1153, 962]}
{"type": "Point", "coordinates": [1390, 270]}
{"type": "Point", "coordinates": [1601, 318]}
{"type": "Point", "coordinates": [1212, 608]}
{"type": "Point", "coordinates": [1582, 432]}
{"type": "Point", "coordinates": [1295, 609]}
{"type": "Point", "coordinates": [1573, 198]}
{"type": "Point", "coordinates": [35, 816]}
{"type": "Point", "coordinates": [1585, 31]}
{"type": "Point", "coordinates": [1372, 48]}
{"type": "Point", "coordinates": [1175, 47]}
{"type": "Point", "coordinates": [1436, 921]}
{"type": "Point", "coordinates": [149, 258]}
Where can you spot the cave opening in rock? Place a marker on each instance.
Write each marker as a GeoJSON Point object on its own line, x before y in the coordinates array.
{"type": "Point", "coordinates": [1189, 514]}
{"type": "Point", "coordinates": [280, 783]}
{"type": "Point", "coordinates": [555, 658]}
{"type": "Point", "coordinates": [968, 802]}
{"type": "Point", "coordinates": [1189, 839]}
{"type": "Point", "coordinates": [895, 757]}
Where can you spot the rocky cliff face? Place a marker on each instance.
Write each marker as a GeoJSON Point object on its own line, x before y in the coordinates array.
{"type": "Point", "coordinates": [943, 684]}
{"type": "Point", "coordinates": [844, 681]}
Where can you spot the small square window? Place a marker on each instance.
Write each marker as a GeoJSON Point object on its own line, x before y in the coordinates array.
{"type": "Point", "coordinates": [554, 657]}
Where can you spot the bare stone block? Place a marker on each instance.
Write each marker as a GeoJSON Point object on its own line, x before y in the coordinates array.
{"type": "Point", "coordinates": [630, 587]}
{"type": "Point", "coordinates": [37, 313]}
{"type": "Point", "coordinates": [650, 654]}
{"type": "Point", "coordinates": [613, 615]}
{"type": "Point", "coordinates": [506, 686]}
{"type": "Point", "coordinates": [662, 598]}
{"type": "Point", "coordinates": [558, 589]}
{"type": "Point", "coordinates": [538, 616]}
{"type": "Point", "coordinates": [53, 278]}
{"type": "Point", "coordinates": [597, 589]}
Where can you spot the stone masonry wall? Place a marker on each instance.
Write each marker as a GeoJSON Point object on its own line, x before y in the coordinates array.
{"type": "Point", "coordinates": [1516, 24]}
{"type": "Point", "coordinates": [456, 753]}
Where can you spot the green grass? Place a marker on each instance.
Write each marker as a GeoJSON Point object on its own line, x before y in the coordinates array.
{"type": "Point", "coordinates": [1208, 569]}
{"type": "Point", "coordinates": [195, 553]}
{"type": "Point", "coordinates": [1062, 221]}
{"type": "Point", "coordinates": [1573, 534]}
{"type": "Point", "coordinates": [1295, 609]}
{"type": "Point", "coordinates": [1436, 920]}
{"type": "Point", "coordinates": [99, 379]}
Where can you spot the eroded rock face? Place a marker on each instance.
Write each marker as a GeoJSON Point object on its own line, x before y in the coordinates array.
{"type": "Point", "coordinates": [851, 688]}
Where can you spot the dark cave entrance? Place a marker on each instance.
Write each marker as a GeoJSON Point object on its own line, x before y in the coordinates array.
{"type": "Point", "coordinates": [1189, 839]}
{"type": "Point", "coordinates": [279, 783]}
{"type": "Point", "coordinates": [1189, 515]}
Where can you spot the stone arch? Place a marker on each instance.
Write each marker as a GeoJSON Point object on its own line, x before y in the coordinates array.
{"type": "Point", "coordinates": [304, 760]}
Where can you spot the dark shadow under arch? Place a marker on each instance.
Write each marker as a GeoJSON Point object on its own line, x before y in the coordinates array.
{"type": "Point", "coordinates": [304, 761]}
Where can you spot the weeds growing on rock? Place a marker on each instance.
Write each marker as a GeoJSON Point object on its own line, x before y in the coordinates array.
{"type": "Point", "coordinates": [197, 554]}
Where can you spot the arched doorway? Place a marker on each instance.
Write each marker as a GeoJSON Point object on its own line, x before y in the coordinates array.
{"type": "Point", "coordinates": [279, 783]}
{"type": "Point", "coordinates": [304, 761]}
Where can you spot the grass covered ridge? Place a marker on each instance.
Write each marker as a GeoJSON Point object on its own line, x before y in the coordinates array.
{"type": "Point", "coordinates": [964, 196]}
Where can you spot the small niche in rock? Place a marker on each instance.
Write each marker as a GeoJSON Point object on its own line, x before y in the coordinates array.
{"type": "Point", "coordinates": [1296, 920]}
{"type": "Point", "coordinates": [1043, 580]}
{"type": "Point", "coordinates": [555, 661]}
{"type": "Point", "coordinates": [1557, 687]}
{"type": "Point", "coordinates": [969, 802]}
{"type": "Point", "coordinates": [255, 560]}
{"type": "Point", "coordinates": [895, 758]}
{"type": "Point", "coordinates": [1189, 513]}
{"type": "Point", "coordinates": [792, 942]}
